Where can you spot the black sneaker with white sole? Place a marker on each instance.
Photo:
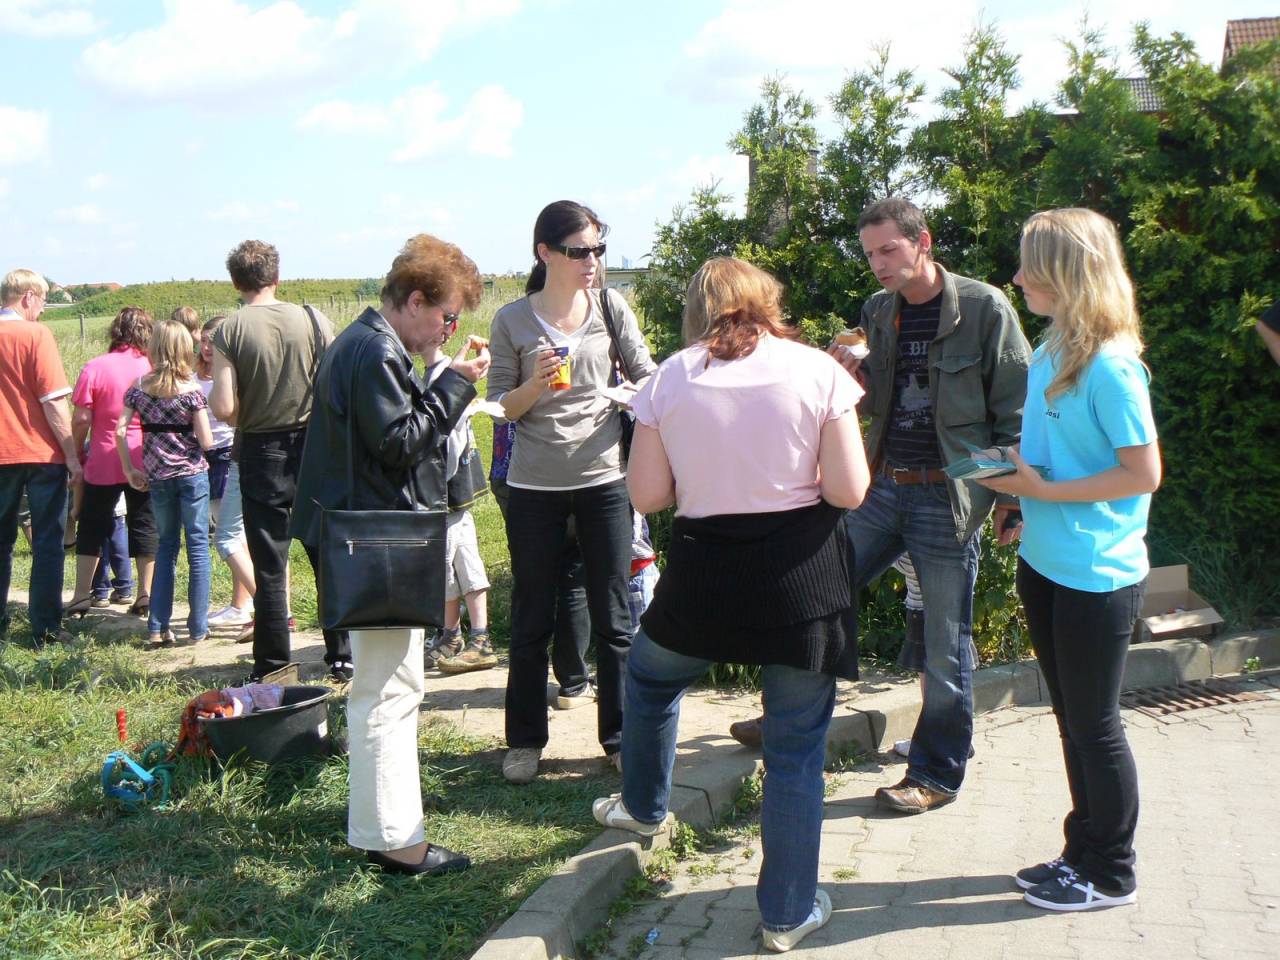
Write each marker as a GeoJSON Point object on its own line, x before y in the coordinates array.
{"type": "Point", "coordinates": [1071, 892]}
{"type": "Point", "coordinates": [1029, 877]}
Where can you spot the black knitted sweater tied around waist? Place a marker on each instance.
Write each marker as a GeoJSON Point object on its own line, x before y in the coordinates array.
{"type": "Point", "coordinates": [759, 588]}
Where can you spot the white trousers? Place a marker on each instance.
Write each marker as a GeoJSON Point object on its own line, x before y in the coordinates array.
{"type": "Point", "coordinates": [385, 811]}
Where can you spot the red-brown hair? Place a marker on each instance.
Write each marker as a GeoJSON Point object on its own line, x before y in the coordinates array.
{"type": "Point", "coordinates": [729, 304]}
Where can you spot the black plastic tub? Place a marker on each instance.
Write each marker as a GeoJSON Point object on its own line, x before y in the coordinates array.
{"type": "Point", "coordinates": [296, 729]}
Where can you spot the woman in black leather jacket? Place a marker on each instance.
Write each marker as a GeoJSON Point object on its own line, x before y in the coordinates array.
{"type": "Point", "coordinates": [400, 427]}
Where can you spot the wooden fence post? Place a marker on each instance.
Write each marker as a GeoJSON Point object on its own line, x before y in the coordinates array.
{"type": "Point", "coordinates": [82, 328]}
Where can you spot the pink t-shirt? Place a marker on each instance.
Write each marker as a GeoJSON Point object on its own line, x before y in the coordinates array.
{"type": "Point", "coordinates": [742, 435]}
{"type": "Point", "coordinates": [100, 390]}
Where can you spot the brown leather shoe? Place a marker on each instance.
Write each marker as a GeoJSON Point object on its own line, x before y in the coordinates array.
{"type": "Point", "coordinates": [910, 797]}
{"type": "Point", "coordinates": [749, 733]}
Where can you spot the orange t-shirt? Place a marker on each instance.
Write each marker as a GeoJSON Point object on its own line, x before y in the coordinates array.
{"type": "Point", "coordinates": [30, 374]}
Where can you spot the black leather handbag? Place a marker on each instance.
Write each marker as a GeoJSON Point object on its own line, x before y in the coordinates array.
{"type": "Point", "coordinates": [618, 364]}
{"type": "Point", "coordinates": [379, 568]}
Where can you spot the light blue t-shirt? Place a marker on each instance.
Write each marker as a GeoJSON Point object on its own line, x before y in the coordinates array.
{"type": "Point", "coordinates": [1096, 547]}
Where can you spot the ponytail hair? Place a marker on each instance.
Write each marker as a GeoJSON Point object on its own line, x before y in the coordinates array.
{"type": "Point", "coordinates": [557, 221]}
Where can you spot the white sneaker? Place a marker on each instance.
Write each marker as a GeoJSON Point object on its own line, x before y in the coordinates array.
{"type": "Point", "coordinates": [782, 941]}
{"type": "Point", "coordinates": [588, 695]}
{"type": "Point", "coordinates": [230, 616]}
{"type": "Point", "coordinates": [612, 812]}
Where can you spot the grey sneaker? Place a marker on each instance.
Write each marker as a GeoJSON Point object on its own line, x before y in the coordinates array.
{"type": "Point", "coordinates": [780, 941]}
{"type": "Point", "coordinates": [442, 647]}
{"type": "Point", "coordinates": [476, 655]}
{"type": "Point", "coordinates": [521, 764]}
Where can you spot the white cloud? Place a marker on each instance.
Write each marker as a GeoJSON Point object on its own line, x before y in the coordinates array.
{"type": "Point", "coordinates": [96, 181]}
{"type": "Point", "coordinates": [676, 186]}
{"type": "Point", "coordinates": [402, 218]}
{"type": "Point", "coordinates": [84, 213]}
{"type": "Point", "coordinates": [815, 44]}
{"type": "Point", "coordinates": [237, 211]}
{"type": "Point", "coordinates": [26, 135]}
{"type": "Point", "coordinates": [4, 188]}
{"type": "Point", "coordinates": [203, 50]}
{"type": "Point", "coordinates": [484, 126]}
{"type": "Point", "coordinates": [46, 18]}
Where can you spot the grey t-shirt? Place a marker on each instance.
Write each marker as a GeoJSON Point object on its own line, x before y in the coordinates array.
{"type": "Point", "coordinates": [274, 352]}
{"type": "Point", "coordinates": [568, 439]}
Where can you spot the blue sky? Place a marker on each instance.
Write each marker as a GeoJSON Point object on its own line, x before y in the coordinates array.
{"type": "Point", "coordinates": [141, 140]}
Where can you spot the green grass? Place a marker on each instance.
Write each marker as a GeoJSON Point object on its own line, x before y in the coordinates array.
{"type": "Point", "coordinates": [250, 861]}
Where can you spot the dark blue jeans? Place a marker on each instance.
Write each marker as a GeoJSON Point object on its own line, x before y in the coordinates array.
{"type": "Point", "coordinates": [114, 572]}
{"type": "Point", "coordinates": [46, 486]}
{"type": "Point", "coordinates": [797, 711]}
{"type": "Point", "coordinates": [1082, 641]}
{"type": "Point", "coordinates": [268, 481]}
{"type": "Point", "coordinates": [537, 525]}
{"type": "Point", "coordinates": [917, 518]}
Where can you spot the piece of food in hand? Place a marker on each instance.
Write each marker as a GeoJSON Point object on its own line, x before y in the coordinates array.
{"type": "Point", "coordinates": [855, 340]}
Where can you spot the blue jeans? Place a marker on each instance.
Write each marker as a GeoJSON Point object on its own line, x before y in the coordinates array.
{"type": "Point", "coordinates": [797, 709]}
{"type": "Point", "coordinates": [181, 504]}
{"type": "Point", "coordinates": [46, 486]}
{"type": "Point", "coordinates": [113, 571]}
{"type": "Point", "coordinates": [917, 518]}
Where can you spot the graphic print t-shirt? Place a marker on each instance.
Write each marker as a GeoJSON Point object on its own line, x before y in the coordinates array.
{"type": "Point", "coordinates": [911, 440]}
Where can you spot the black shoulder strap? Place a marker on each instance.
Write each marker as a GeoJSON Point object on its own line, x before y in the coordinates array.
{"type": "Point", "coordinates": [619, 360]}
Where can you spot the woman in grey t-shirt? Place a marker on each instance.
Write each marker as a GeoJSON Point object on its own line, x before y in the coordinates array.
{"type": "Point", "coordinates": [551, 364]}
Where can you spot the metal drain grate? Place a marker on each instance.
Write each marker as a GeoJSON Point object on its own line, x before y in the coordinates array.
{"type": "Point", "coordinates": [1161, 701]}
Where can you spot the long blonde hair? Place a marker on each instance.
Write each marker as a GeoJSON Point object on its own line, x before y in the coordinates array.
{"type": "Point", "coordinates": [170, 355]}
{"type": "Point", "coordinates": [1074, 254]}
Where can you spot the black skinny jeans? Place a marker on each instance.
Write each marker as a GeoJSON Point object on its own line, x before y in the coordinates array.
{"type": "Point", "coordinates": [1081, 640]}
{"type": "Point", "coordinates": [573, 626]}
{"type": "Point", "coordinates": [537, 525]}
{"type": "Point", "coordinates": [268, 481]}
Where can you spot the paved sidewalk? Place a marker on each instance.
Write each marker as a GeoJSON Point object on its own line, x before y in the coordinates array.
{"type": "Point", "coordinates": [939, 884]}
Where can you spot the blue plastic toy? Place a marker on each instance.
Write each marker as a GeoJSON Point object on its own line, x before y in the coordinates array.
{"type": "Point", "coordinates": [137, 784]}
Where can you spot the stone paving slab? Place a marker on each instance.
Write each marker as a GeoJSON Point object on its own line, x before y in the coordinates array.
{"type": "Point", "coordinates": [940, 885]}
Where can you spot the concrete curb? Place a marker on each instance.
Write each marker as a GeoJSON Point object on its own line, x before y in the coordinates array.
{"type": "Point", "coordinates": [568, 906]}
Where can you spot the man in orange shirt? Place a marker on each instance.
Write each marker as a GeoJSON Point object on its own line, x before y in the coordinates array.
{"type": "Point", "coordinates": [36, 450]}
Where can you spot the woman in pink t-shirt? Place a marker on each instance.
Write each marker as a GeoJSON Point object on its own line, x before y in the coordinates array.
{"type": "Point", "coordinates": [98, 399]}
{"type": "Point", "coordinates": [753, 437]}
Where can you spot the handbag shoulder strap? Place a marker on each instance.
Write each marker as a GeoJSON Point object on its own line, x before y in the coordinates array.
{"type": "Point", "coordinates": [318, 337]}
{"type": "Point", "coordinates": [619, 361]}
{"type": "Point", "coordinates": [351, 435]}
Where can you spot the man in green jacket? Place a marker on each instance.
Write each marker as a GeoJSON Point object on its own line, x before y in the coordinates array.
{"type": "Point", "coordinates": [946, 375]}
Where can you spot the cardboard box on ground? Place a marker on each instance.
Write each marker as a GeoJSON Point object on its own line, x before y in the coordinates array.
{"type": "Point", "coordinates": [1172, 609]}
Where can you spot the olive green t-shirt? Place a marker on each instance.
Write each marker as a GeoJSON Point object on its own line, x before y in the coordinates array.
{"type": "Point", "coordinates": [274, 351]}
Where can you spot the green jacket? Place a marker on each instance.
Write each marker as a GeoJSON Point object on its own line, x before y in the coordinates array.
{"type": "Point", "coordinates": [977, 380]}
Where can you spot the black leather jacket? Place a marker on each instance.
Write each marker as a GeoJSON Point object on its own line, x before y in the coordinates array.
{"type": "Point", "coordinates": [401, 426]}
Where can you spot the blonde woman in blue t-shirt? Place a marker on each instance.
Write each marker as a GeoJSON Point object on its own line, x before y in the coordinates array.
{"type": "Point", "coordinates": [1082, 565]}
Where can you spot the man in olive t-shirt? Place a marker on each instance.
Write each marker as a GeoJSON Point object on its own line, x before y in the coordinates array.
{"type": "Point", "coordinates": [265, 359]}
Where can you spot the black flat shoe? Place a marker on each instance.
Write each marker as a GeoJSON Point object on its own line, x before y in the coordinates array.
{"type": "Point", "coordinates": [79, 608]}
{"type": "Point", "coordinates": [142, 606]}
{"type": "Point", "coordinates": [437, 860]}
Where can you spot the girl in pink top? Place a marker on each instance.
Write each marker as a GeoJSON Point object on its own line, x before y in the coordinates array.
{"type": "Point", "coordinates": [98, 399]}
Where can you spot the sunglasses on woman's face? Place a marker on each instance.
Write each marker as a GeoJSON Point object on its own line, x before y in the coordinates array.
{"type": "Point", "coordinates": [578, 253]}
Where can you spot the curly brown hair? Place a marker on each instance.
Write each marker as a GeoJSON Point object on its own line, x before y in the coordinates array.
{"type": "Point", "coordinates": [131, 328]}
{"type": "Point", "coordinates": [439, 269]}
{"type": "Point", "coordinates": [253, 265]}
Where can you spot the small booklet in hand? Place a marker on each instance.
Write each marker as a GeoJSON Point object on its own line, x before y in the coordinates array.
{"type": "Point", "coordinates": [979, 468]}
